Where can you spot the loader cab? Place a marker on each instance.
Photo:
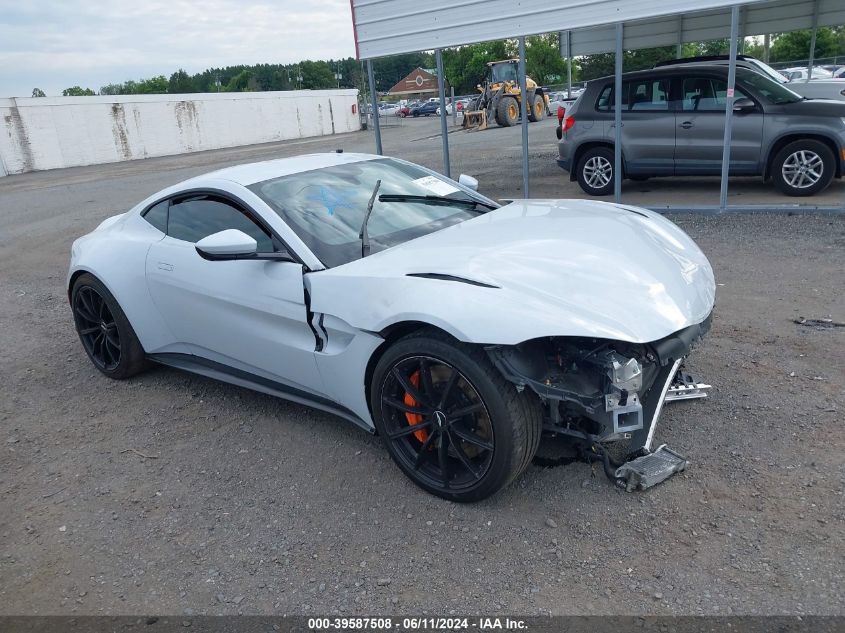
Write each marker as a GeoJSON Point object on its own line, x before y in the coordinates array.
{"type": "Point", "coordinates": [504, 71]}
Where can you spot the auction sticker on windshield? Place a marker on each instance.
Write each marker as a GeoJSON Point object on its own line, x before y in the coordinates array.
{"type": "Point", "coordinates": [435, 185]}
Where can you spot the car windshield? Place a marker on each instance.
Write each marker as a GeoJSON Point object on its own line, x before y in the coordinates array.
{"type": "Point", "coordinates": [767, 70]}
{"type": "Point", "coordinates": [774, 93]}
{"type": "Point", "coordinates": [326, 207]}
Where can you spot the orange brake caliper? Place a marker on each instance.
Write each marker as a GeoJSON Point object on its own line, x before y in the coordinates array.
{"type": "Point", "coordinates": [415, 418]}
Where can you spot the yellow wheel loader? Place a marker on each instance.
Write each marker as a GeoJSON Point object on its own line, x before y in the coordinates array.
{"type": "Point", "coordinates": [501, 97]}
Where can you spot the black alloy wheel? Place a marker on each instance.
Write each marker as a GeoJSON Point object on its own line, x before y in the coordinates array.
{"type": "Point", "coordinates": [449, 419]}
{"type": "Point", "coordinates": [97, 328]}
{"type": "Point", "coordinates": [106, 334]}
{"type": "Point", "coordinates": [437, 423]}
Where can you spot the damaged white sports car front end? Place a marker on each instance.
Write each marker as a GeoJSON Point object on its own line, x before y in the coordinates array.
{"type": "Point", "coordinates": [462, 331]}
{"type": "Point", "coordinates": [590, 307]}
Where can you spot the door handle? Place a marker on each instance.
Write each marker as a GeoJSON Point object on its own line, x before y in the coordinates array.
{"type": "Point", "coordinates": [165, 266]}
{"type": "Point", "coordinates": [614, 125]}
{"type": "Point", "coordinates": [686, 125]}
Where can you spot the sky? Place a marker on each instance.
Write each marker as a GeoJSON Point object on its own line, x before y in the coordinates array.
{"type": "Point", "coordinates": [55, 44]}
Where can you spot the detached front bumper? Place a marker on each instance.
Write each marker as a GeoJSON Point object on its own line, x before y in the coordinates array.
{"type": "Point", "coordinates": [585, 392]}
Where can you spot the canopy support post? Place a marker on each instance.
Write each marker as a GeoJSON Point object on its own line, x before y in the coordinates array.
{"type": "Point", "coordinates": [374, 97]}
{"type": "Point", "coordinates": [524, 112]}
{"type": "Point", "coordinates": [813, 40]}
{"type": "Point", "coordinates": [617, 118]}
{"type": "Point", "coordinates": [729, 108]}
{"type": "Point", "coordinates": [441, 91]}
{"type": "Point", "coordinates": [679, 51]}
{"type": "Point", "coordinates": [568, 64]}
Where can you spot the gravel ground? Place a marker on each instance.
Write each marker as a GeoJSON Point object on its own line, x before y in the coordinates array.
{"type": "Point", "coordinates": [174, 494]}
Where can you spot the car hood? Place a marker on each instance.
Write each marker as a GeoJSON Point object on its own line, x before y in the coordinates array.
{"type": "Point", "coordinates": [816, 107]}
{"type": "Point", "coordinates": [530, 269]}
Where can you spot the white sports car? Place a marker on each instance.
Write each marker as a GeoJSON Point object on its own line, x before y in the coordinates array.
{"type": "Point", "coordinates": [458, 329]}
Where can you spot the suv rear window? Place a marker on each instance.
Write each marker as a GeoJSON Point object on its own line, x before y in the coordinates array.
{"type": "Point", "coordinates": [637, 95]}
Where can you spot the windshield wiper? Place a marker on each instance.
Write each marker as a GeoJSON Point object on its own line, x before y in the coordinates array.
{"type": "Point", "coordinates": [441, 200]}
{"type": "Point", "coordinates": [363, 235]}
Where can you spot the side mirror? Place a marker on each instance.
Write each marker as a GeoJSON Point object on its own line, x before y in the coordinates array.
{"type": "Point", "coordinates": [468, 181]}
{"type": "Point", "coordinates": [228, 244]}
{"type": "Point", "coordinates": [744, 105]}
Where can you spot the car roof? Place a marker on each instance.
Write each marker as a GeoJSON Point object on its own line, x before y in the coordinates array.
{"type": "Point", "coordinates": [700, 58]}
{"type": "Point", "coordinates": [251, 173]}
{"type": "Point", "coordinates": [667, 70]}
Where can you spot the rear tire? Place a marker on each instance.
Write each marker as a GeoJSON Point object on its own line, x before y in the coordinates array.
{"type": "Point", "coordinates": [537, 109]}
{"type": "Point", "coordinates": [803, 168]}
{"type": "Point", "coordinates": [449, 419]}
{"type": "Point", "coordinates": [595, 171]}
{"type": "Point", "coordinates": [105, 332]}
{"type": "Point", "coordinates": [507, 112]}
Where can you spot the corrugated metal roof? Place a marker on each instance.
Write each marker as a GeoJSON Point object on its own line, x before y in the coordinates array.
{"type": "Point", "coordinates": [756, 19]}
{"type": "Point", "coordinates": [388, 27]}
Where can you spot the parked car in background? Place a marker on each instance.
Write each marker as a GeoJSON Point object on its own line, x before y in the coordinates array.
{"type": "Point", "coordinates": [839, 73]}
{"type": "Point", "coordinates": [405, 110]}
{"type": "Point", "coordinates": [673, 124]}
{"type": "Point", "coordinates": [800, 73]}
{"type": "Point", "coordinates": [816, 89]}
{"type": "Point", "coordinates": [563, 99]}
{"type": "Point", "coordinates": [425, 109]}
{"type": "Point", "coordinates": [459, 106]}
{"type": "Point", "coordinates": [388, 109]}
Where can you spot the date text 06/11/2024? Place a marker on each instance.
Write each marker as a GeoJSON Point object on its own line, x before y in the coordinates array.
{"type": "Point", "coordinates": [416, 624]}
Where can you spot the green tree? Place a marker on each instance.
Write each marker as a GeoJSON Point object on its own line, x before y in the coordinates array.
{"type": "Point", "coordinates": [466, 67]}
{"type": "Point", "coordinates": [112, 89]}
{"type": "Point", "coordinates": [153, 85]}
{"type": "Point", "coordinates": [76, 91]}
{"type": "Point", "coordinates": [317, 75]}
{"type": "Point", "coordinates": [180, 82]}
{"type": "Point", "coordinates": [244, 81]}
{"type": "Point", "coordinates": [795, 46]}
{"type": "Point", "coordinates": [389, 70]}
{"type": "Point", "coordinates": [37, 92]}
{"type": "Point", "coordinates": [543, 62]}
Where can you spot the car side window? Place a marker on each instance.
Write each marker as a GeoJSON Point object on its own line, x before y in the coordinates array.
{"type": "Point", "coordinates": [706, 94]}
{"type": "Point", "coordinates": [637, 96]}
{"type": "Point", "coordinates": [157, 215]}
{"type": "Point", "coordinates": [194, 218]}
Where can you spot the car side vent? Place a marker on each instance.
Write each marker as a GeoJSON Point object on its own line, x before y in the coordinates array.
{"type": "Point", "coordinates": [444, 277]}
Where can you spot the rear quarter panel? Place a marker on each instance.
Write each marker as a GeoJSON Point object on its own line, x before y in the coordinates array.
{"type": "Point", "coordinates": [116, 255]}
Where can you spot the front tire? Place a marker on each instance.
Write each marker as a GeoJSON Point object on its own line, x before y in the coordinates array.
{"type": "Point", "coordinates": [104, 330]}
{"type": "Point", "coordinates": [507, 112]}
{"type": "Point", "coordinates": [803, 168]}
{"type": "Point", "coordinates": [595, 171]}
{"type": "Point", "coordinates": [449, 420]}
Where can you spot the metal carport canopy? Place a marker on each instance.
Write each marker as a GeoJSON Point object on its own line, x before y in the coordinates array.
{"type": "Point", "coordinates": [390, 27]}
{"type": "Point", "coordinates": [756, 19]}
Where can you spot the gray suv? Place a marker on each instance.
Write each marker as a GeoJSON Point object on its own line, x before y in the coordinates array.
{"type": "Point", "coordinates": [673, 125]}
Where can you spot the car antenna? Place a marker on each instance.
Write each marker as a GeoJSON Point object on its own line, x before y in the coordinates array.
{"type": "Point", "coordinates": [364, 236]}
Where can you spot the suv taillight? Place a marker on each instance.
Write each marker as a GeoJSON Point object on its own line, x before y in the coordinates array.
{"type": "Point", "coordinates": [568, 122]}
{"type": "Point", "coordinates": [560, 112]}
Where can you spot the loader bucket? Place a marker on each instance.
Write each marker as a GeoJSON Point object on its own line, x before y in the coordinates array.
{"type": "Point", "coordinates": [475, 121]}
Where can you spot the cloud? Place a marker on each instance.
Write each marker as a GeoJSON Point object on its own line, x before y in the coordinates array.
{"type": "Point", "coordinates": [54, 44]}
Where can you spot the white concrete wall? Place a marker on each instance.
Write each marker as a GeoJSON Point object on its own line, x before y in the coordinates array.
{"type": "Point", "coordinates": [52, 132]}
